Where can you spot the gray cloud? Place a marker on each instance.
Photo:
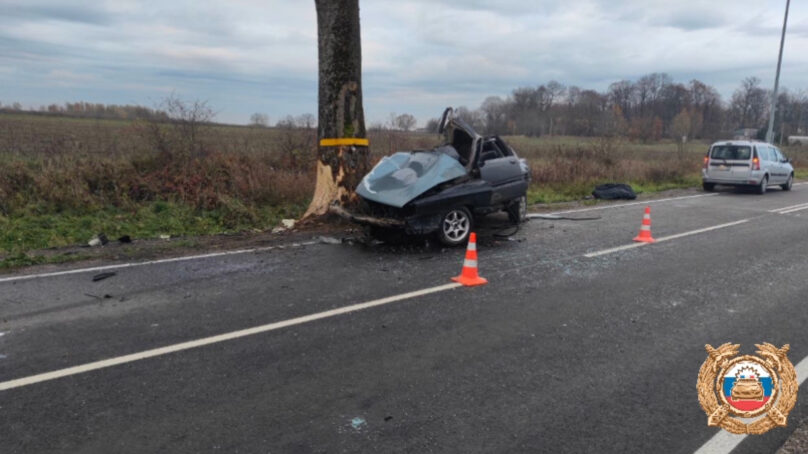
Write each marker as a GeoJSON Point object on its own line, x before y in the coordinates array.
{"type": "Point", "coordinates": [248, 56]}
{"type": "Point", "coordinates": [35, 11]}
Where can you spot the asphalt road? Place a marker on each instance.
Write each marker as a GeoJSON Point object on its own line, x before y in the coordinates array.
{"type": "Point", "coordinates": [559, 353]}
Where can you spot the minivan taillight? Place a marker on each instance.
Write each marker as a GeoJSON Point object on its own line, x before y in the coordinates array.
{"type": "Point", "coordinates": [756, 163]}
{"type": "Point", "coordinates": [706, 161]}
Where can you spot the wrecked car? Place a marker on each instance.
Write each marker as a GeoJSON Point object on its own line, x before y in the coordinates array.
{"type": "Point", "coordinates": [443, 190]}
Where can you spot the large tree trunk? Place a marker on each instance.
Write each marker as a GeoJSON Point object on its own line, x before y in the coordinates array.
{"type": "Point", "coordinates": [343, 157]}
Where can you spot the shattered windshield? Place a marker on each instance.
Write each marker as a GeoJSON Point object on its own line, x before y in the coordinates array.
{"type": "Point", "coordinates": [399, 178]}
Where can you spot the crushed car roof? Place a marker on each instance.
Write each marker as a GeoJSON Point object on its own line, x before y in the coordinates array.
{"type": "Point", "coordinates": [403, 176]}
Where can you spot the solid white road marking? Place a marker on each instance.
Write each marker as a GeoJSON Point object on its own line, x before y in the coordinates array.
{"type": "Point", "coordinates": [664, 238]}
{"type": "Point", "coordinates": [644, 202]}
{"type": "Point", "coordinates": [724, 442]}
{"type": "Point", "coordinates": [149, 262]}
{"type": "Point", "coordinates": [17, 383]}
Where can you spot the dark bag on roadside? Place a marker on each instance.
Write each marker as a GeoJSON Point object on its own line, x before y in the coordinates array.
{"type": "Point", "coordinates": [613, 191]}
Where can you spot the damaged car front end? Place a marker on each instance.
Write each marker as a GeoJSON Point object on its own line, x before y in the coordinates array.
{"type": "Point", "coordinates": [444, 189]}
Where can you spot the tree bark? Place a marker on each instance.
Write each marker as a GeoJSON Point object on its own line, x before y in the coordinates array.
{"type": "Point", "coordinates": [341, 164]}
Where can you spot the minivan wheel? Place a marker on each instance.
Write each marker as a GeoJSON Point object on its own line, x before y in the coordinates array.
{"type": "Point", "coordinates": [517, 211]}
{"type": "Point", "coordinates": [708, 187]}
{"type": "Point", "coordinates": [455, 226]}
{"type": "Point", "coordinates": [788, 183]}
{"type": "Point", "coordinates": [764, 184]}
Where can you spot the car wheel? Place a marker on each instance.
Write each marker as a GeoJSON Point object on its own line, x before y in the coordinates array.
{"type": "Point", "coordinates": [788, 183]}
{"type": "Point", "coordinates": [517, 211]}
{"type": "Point", "coordinates": [455, 226]}
{"type": "Point", "coordinates": [764, 184]}
{"type": "Point", "coordinates": [708, 187]}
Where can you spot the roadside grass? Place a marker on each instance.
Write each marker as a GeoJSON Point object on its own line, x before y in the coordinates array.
{"type": "Point", "coordinates": [574, 192]}
{"type": "Point", "coordinates": [565, 169]}
{"type": "Point", "coordinates": [22, 259]}
{"type": "Point", "coordinates": [37, 229]}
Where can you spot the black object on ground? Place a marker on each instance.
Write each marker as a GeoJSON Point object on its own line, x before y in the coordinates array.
{"type": "Point", "coordinates": [614, 191]}
{"type": "Point", "coordinates": [102, 276]}
{"type": "Point", "coordinates": [125, 239]}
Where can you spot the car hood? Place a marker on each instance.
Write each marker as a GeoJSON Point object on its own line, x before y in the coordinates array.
{"type": "Point", "coordinates": [403, 176]}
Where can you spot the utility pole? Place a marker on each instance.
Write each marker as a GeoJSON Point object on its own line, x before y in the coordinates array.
{"type": "Point", "coordinates": [770, 131]}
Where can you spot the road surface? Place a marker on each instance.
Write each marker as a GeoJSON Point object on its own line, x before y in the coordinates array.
{"type": "Point", "coordinates": [578, 344]}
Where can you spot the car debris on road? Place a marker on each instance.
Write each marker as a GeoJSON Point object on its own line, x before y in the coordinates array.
{"type": "Point", "coordinates": [102, 276]}
{"type": "Point", "coordinates": [98, 240]}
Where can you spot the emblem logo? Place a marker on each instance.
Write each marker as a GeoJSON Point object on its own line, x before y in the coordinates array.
{"type": "Point", "coordinates": [735, 391]}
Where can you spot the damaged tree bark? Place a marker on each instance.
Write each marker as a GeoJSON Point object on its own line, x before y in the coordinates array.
{"type": "Point", "coordinates": [343, 156]}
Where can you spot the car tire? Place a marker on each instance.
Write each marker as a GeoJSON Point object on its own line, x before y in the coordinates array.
{"type": "Point", "coordinates": [455, 226]}
{"type": "Point", "coordinates": [764, 184]}
{"type": "Point", "coordinates": [517, 211]}
{"type": "Point", "coordinates": [708, 187]}
{"type": "Point", "coordinates": [790, 182]}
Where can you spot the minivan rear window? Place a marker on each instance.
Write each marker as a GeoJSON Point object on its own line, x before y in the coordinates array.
{"type": "Point", "coordinates": [731, 152]}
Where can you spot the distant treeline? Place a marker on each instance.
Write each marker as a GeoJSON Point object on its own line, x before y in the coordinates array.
{"type": "Point", "coordinates": [648, 109]}
{"type": "Point", "coordinates": [91, 110]}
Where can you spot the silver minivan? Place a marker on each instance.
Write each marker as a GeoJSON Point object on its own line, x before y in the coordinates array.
{"type": "Point", "coordinates": [746, 163]}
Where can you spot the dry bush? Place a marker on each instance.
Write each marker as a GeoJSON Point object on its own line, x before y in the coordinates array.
{"type": "Point", "coordinates": [606, 159]}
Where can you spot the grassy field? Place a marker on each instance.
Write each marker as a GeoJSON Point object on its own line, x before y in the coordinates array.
{"type": "Point", "coordinates": [63, 180]}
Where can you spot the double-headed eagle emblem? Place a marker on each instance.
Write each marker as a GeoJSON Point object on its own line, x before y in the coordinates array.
{"type": "Point", "coordinates": [747, 394]}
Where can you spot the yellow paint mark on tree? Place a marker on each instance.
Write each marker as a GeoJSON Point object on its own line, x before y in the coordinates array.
{"type": "Point", "coordinates": [347, 141]}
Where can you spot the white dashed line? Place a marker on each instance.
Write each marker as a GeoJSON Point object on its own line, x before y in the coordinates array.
{"type": "Point", "coordinates": [664, 238]}
{"type": "Point", "coordinates": [724, 442]}
{"type": "Point", "coordinates": [790, 209]}
{"type": "Point", "coordinates": [20, 382]}
{"type": "Point", "coordinates": [644, 202]}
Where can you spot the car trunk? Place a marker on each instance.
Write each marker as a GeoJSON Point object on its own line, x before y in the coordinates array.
{"type": "Point", "coordinates": [730, 162]}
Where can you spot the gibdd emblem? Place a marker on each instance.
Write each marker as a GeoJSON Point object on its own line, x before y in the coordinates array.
{"type": "Point", "coordinates": [747, 394]}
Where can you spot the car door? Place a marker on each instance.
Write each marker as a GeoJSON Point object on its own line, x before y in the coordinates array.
{"type": "Point", "coordinates": [501, 169]}
{"type": "Point", "coordinates": [773, 164]}
{"type": "Point", "coordinates": [782, 165]}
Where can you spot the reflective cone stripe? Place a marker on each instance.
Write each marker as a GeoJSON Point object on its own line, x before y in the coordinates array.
{"type": "Point", "coordinates": [468, 276]}
{"type": "Point", "coordinates": [645, 228]}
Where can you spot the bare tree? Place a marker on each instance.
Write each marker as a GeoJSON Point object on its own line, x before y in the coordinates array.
{"type": "Point", "coordinates": [405, 122]}
{"type": "Point", "coordinates": [306, 121]}
{"type": "Point", "coordinates": [495, 115]}
{"type": "Point", "coordinates": [749, 104]}
{"type": "Point", "coordinates": [297, 140]}
{"type": "Point", "coordinates": [343, 156]}
{"type": "Point", "coordinates": [182, 133]}
{"type": "Point", "coordinates": [259, 119]}
{"type": "Point", "coordinates": [432, 125]}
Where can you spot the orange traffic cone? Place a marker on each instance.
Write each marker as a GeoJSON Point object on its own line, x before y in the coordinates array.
{"type": "Point", "coordinates": [469, 276]}
{"type": "Point", "coordinates": [645, 229]}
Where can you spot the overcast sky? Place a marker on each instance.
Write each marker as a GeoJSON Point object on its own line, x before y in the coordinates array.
{"type": "Point", "coordinates": [419, 56]}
